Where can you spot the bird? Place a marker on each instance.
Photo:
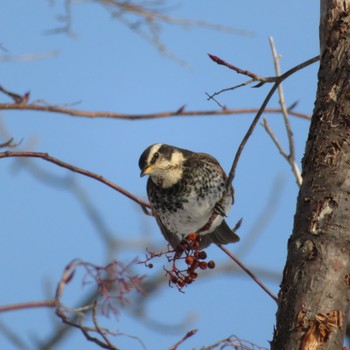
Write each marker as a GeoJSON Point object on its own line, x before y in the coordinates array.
{"type": "Point", "coordinates": [184, 189]}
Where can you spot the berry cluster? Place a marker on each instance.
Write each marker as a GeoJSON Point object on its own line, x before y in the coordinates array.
{"type": "Point", "coordinates": [188, 251]}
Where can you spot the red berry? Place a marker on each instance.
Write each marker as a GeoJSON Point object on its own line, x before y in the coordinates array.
{"type": "Point", "coordinates": [194, 275]}
{"type": "Point", "coordinates": [180, 283]}
{"type": "Point", "coordinates": [173, 279]}
{"type": "Point", "coordinates": [189, 260]}
{"type": "Point", "coordinates": [192, 236]}
{"type": "Point", "coordinates": [203, 265]}
{"type": "Point", "coordinates": [188, 280]}
{"type": "Point", "coordinates": [202, 255]}
{"type": "Point", "coordinates": [194, 265]}
{"type": "Point", "coordinates": [211, 264]}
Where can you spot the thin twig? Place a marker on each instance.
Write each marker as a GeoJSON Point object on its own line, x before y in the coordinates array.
{"type": "Point", "coordinates": [66, 277]}
{"type": "Point", "coordinates": [13, 336]}
{"type": "Point", "coordinates": [274, 138]}
{"type": "Point", "coordinates": [296, 172]}
{"type": "Point", "coordinates": [250, 274]}
{"type": "Point", "coordinates": [245, 72]}
{"type": "Point", "coordinates": [17, 98]}
{"type": "Point", "coordinates": [268, 212]}
{"type": "Point", "coordinates": [75, 169]}
{"type": "Point", "coordinates": [156, 14]}
{"type": "Point", "coordinates": [276, 60]}
{"type": "Point", "coordinates": [293, 164]}
{"type": "Point", "coordinates": [186, 336]}
{"type": "Point", "coordinates": [146, 18]}
{"type": "Point", "coordinates": [291, 157]}
{"type": "Point", "coordinates": [98, 328]}
{"type": "Point", "coordinates": [28, 305]}
{"type": "Point", "coordinates": [28, 57]}
{"type": "Point", "coordinates": [211, 97]}
{"type": "Point", "coordinates": [9, 144]}
{"type": "Point", "coordinates": [234, 343]}
{"type": "Point", "coordinates": [86, 330]}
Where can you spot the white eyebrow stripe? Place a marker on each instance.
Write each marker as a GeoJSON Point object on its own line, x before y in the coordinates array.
{"type": "Point", "coordinates": [153, 150]}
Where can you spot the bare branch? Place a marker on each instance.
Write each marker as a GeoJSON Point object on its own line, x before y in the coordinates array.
{"type": "Point", "coordinates": [274, 138]}
{"type": "Point", "coordinates": [13, 336]}
{"type": "Point", "coordinates": [18, 99]}
{"type": "Point", "coordinates": [276, 59]}
{"type": "Point", "coordinates": [28, 305]}
{"type": "Point", "coordinates": [112, 115]}
{"type": "Point", "coordinates": [288, 158]}
{"type": "Point", "coordinates": [258, 115]}
{"type": "Point", "coordinates": [120, 283]}
{"type": "Point", "coordinates": [235, 343]}
{"type": "Point", "coordinates": [46, 157]}
{"type": "Point", "coordinates": [99, 329]}
{"type": "Point", "coordinates": [211, 97]}
{"type": "Point", "coordinates": [261, 110]}
{"type": "Point", "coordinates": [255, 77]}
{"type": "Point", "coordinates": [186, 336]}
{"type": "Point", "coordinates": [155, 13]}
{"type": "Point", "coordinates": [146, 20]}
{"type": "Point", "coordinates": [28, 57]}
{"type": "Point", "coordinates": [291, 157]}
{"type": "Point", "coordinates": [9, 144]}
{"type": "Point", "coordinates": [249, 273]}
{"type": "Point", "coordinates": [251, 236]}
{"type": "Point", "coordinates": [66, 19]}
{"type": "Point", "coordinates": [245, 72]}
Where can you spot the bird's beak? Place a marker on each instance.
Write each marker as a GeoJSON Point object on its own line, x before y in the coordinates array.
{"type": "Point", "coordinates": [147, 170]}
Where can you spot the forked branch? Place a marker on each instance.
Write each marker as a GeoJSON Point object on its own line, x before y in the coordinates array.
{"type": "Point", "coordinates": [277, 81]}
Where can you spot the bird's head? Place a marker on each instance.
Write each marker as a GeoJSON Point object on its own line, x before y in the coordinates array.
{"type": "Point", "coordinates": [163, 163]}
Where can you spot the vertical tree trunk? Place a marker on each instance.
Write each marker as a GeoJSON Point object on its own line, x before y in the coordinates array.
{"type": "Point", "coordinates": [315, 291]}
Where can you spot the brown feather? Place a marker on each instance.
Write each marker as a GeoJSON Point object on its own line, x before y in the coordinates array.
{"type": "Point", "coordinates": [223, 234]}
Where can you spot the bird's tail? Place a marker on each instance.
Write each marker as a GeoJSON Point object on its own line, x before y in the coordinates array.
{"type": "Point", "coordinates": [223, 234]}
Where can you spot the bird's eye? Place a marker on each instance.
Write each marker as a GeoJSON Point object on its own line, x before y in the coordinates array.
{"type": "Point", "coordinates": [155, 157]}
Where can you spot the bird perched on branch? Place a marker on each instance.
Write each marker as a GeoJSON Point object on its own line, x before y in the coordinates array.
{"type": "Point", "coordinates": [184, 189]}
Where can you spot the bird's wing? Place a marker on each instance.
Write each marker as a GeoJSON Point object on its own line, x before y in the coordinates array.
{"type": "Point", "coordinates": [222, 234]}
{"type": "Point", "coordinates": [207, 158]}
{"type": "Point", "coordinates": [172, 238]}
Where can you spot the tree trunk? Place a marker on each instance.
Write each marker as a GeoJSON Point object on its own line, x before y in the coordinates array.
{"type": "Point", "coordinates": [315, 291]}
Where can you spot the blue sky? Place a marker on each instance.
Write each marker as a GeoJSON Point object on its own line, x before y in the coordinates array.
{"type": "Point", "coordinates": [105, 66]}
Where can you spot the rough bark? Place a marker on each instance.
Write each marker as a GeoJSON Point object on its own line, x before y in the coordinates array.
{"type": "Point", "coordinates": [315, 291]}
